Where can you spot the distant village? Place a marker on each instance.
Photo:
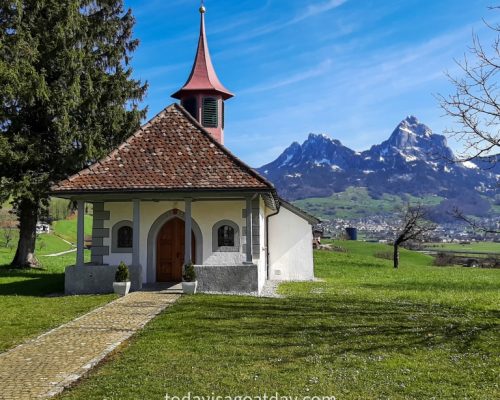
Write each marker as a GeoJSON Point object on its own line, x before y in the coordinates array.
{"type": "Point", "coordinates": [383, 229]}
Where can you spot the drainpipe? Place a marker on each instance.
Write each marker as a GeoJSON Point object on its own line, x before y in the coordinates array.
{"type": "Point", "coordinates": [267, 243]}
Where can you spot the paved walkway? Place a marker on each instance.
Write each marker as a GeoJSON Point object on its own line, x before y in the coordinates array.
{"type": "Point", "coordinates": [59, 254]}
{"type": "Point", "coordinates": [43, 367]}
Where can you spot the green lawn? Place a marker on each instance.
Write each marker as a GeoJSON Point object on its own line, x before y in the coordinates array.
{"type": "Point", "coordinates": [487, 247]}
{"type": "Point", "coordinates": [357, 203]}
{"type": "Point", "coordinates": [67, 228]}
{"type": "Point", "coordinates": [45, 244]}
{"type": "Point", "coordinates": [51, 244]}
{"type": "Point", "coordinates": [28, 307]}
{"type": "Point", "coordinates": [27, 302]}
{"type": "Point", "coordinates": [48, 243]}
{"type": "Point", "coordinates": [365, 332]}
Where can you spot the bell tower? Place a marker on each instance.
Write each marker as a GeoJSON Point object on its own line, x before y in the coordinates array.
{"type": "Point", "coordinates": [203, 95]}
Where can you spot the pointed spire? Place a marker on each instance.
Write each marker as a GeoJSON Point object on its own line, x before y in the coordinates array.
{"type": "Point", "coordinates": [203, 76]}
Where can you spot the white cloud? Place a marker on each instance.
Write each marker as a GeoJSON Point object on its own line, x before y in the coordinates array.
{"type": "Point", "coordinates": [318, 70]}
{"type": "Point", "coordinates": [308, 12]}
{"type": "Point", "coordinates": [315, 9]}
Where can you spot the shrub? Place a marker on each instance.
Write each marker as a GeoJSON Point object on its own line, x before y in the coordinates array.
{"type": "Point", "coordinates": [189, 273]}
{"type": "Point", "coordinates": [8, 236]}
{"type": "Point", "coordinates": [386, 255]}
{"type": "Point", "coordinates": [444, 259]}
{"type": "Point", "coordinates": [339, 249]}
{"type": "Point", "coordinates": [122, 274]}
{"type": "Point", "coordinates": [41, 245]}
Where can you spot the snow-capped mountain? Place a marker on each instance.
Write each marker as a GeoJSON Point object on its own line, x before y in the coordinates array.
{"type": "Point", "coordinates": [316, 151]}
{"type": "Point", "coordinates": [410, 141]}
{"type": "Point", "coordinates": [412, 161]}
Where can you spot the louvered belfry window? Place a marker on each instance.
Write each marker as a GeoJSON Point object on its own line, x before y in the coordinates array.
{"type": "Point", "coordinates": [191, 106]}
{"type": "Point", "coordinates": [210, 117]}
{"type": "Point", "coordinates": [223, 118]}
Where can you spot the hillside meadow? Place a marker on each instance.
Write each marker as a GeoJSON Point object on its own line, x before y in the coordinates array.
{"type": "Point", "coordinates": [32, 301]}
{"type": "Point", "coordinates": [362, 331]}
{"type": "Point", "coordinates": [358, 203]}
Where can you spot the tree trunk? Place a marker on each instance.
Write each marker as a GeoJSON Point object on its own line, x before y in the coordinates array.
{"type": "Point", "coordinates": [28, 217]}
{"type": "Point", "coordinates": [396, 255]}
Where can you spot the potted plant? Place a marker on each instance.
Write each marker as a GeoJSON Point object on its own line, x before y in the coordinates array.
{"type": "Point", "coordinates": [121, 285]}
{"type": "Point", "coordinates": [189, 282]}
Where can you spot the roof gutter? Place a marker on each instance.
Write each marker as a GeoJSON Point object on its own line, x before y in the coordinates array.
{"type": "Point", "coordinates": [148, 191]}
{"type": "Point", "coordinates": [268, 255]}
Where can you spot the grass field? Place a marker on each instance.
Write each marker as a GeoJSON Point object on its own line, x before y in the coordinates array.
{"type": "Point", "coordinates": [48, 243]}
{"type": "Point", "coordinates": [45, 244]}
{"type": "Point", "coordinates": [67, 228]}
{"type": "Point", "coordinates": [27, 302]}
{"type": "Point", "coordinates": [487, 247]}
{"type": "Point", "coordinates": [26, 296]}
{"type": "Point", "coordinates": [357, 203]}
{"type": "Point", "coordinates": [365, 332]}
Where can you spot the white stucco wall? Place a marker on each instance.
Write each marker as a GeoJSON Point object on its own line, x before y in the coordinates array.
{"type": "Point", "coordinates": [205, 213]}
{"type": "Point", "coordinates": [290, 247]}
{"type": "Point", "coordinates": [290, 236]}
{"type": "Point", "coordinates": [118, 212]}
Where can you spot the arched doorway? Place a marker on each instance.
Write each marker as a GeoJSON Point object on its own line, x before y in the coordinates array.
{"type": "Point", "coordinates": [170, 251]}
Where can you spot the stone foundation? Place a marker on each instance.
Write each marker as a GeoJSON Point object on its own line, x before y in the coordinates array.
{"type": "Point", "coordinates": [227, 278]}
{"type": "Point", "coordinates": [97, 279]}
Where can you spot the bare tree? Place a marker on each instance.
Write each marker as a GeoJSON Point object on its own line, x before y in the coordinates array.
{"type": "Point", "coordinates": [7, 230]}
{"type": "Point", "coordinates": [8, 236]}
{"type": "Point", "coordinates": [474, 224]}
{"type": "Point", "coordinates": [414, 226]}
{"type": "Point", "coordinates": [475, 104]}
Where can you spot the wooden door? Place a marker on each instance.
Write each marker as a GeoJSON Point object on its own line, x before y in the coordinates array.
{"type": "Point", "coordinates": [170, 251]}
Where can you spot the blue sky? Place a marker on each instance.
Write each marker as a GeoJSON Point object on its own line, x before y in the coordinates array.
{"type": "Point", "coordinates": [350, 68]}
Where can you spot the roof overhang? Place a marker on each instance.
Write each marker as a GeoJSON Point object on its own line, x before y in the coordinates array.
{"type": "Point", "coordinates": [301, 213]}
{"type": "Point", "coordinates": [180, 94]}
{"type": "Point", "coordinates": [90, 196]}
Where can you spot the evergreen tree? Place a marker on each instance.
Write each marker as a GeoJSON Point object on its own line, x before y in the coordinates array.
{"type": "Point", "coordinates": [66, 97]}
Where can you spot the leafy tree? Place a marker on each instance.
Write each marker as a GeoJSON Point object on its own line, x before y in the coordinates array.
{"type": "Point", "coordinates": [66, 97]}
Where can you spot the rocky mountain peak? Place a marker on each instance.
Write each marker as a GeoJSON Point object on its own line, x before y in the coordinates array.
{"type": "Point", "coordinates": [318, 136]}
{"type": "Point", "coordinates": [412, 124]}
{"type": "Point", "coordinates": [293, 147]}
{"type": "Point", "coordinates": [409, 133]}
{"type": "Point", "coordinates": [315, 139]}
{"type": "Point", "coordinates": [412, 141]}
{"type": "Point", "coordinates": [412, 160]}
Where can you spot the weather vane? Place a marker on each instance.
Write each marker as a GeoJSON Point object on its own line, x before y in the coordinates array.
{"type": "Point", "coordinates": [202, 7]}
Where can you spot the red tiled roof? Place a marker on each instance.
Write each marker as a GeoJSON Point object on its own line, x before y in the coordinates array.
{"type": "Point", "coordinates": [171, 152]}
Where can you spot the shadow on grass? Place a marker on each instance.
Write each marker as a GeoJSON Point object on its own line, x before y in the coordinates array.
{"type": "Point", "coordinates": [29, 282]}
{"type": "Point", "coordinates": [334, 327]}
{"type": "Point", "coordinates": [434, 285]}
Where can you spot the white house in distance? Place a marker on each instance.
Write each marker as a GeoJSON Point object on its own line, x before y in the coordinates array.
{"type": "Point", "coordinates": [172, 194]}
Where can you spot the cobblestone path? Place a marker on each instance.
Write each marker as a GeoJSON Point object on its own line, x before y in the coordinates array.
{"type": "Point", "coordinates": [44, 366]}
